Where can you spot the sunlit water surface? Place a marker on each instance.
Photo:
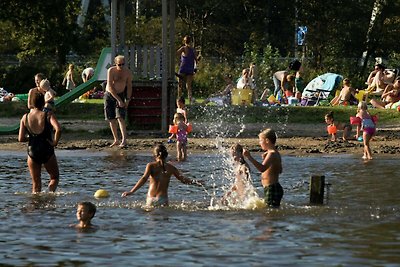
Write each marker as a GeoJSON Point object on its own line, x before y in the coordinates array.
{"type": "Point", "coordinates": [358, 224]}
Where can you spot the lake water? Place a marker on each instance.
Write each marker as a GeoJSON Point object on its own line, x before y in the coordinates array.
{"type": "Point", "coordinates": [358, 224]}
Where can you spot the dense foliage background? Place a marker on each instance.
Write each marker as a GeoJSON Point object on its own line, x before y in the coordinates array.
{"type": "Point", "coordinates": [43, 36]}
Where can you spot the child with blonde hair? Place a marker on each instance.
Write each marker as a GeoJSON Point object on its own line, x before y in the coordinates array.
{"type": "Point", "coordinates": [180, 131]}
{"type": "Point", "coordinates": [367, 126]}
{"type": "Point", "coordinates": [48, 96]}
{"type": "Point", "coordinates": [270, 168]}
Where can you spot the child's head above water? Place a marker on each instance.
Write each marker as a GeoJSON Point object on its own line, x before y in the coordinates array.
{"type": "Point", "coordinates": [268, 134]}
{"type": "Point", "coordinates": [237, 152]}
{"type": "Point", "coordinates": [160, 152]}
{"type": "Point", "coordinates": [85, 211]}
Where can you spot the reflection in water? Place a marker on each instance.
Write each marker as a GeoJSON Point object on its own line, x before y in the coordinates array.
{"type": "Point", "coordinates": [357, 226]}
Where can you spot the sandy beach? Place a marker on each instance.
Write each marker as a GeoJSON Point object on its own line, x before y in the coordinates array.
{"type": "Point", "coordinates": [295, 139]}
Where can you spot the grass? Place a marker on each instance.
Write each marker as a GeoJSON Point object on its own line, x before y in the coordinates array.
{"type": "Point", "coordinates": [93, 110]}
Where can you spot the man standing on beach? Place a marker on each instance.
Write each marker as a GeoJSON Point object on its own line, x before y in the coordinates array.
{"type": "Point", "coordinates": [117, 97]}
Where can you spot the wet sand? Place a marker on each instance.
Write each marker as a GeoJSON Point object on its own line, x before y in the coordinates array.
{"type": "Point", "coordinates": [295, 139]}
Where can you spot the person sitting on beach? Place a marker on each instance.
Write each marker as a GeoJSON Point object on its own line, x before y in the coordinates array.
{"type": "Point", "coordinates": [49, 95]}
{"type": "Point", "coordinates": [347, 95]}
{"type": "Point", "coordinates": [84, 213]}
{"type": "Point", "coordinates": [270, 168]}
{"type": "Point", "coordinates": [367, 126]}
{"type": "Point", "coordinates": [181, 133]}
{"type": "Point", "coordinates": [245, 81]}
{"type": "Point", "coordinates": [240, 189]}
{"type": "Point", "coordinates": [181, 107]}
{"type": "Point", "coordinates": [39, 126]}
{"type": "Point", "coordinates": [160, 173]}
{"type": "Point", "coordinates": [333, 126]}
{"type": "Point", "coordinates": [376, 81]}
{"type": "Point", "coordinates": [6, 96]}
{"type": "Point", "coordinates": [223, 97]}
{"type": "Point", "coordinates": [390, 96]}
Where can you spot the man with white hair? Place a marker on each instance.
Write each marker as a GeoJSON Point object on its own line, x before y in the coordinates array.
{"type": "Point", "coordinates": [116, 99]}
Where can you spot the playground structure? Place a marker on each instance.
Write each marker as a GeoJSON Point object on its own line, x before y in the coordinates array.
{"type": "Point", "coordinates": [152, 67]}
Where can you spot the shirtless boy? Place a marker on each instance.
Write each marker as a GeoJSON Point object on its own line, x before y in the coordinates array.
{"type": "Point", "coordinates": [85, 213]}
{"type": "Point", "coordinates": [270, 167]}
{"type": "Point", "coordinates": [160, 173]}
{"type": "Point", "coordinates": [117, 97]}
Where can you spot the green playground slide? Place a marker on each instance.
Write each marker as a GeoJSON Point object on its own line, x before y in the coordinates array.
{"type": "Point", "coordinates": [67, 98]}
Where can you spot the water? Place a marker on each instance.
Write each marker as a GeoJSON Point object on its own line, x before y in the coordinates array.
{"type": "Point", "coordinates": [357, 226]}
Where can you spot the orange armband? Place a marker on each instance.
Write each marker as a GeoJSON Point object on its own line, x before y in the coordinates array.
{"type": "Point", "coordinates": [189, 128]}
{"type": "Point", "coordinates": [173, 129]}
{"type": "Point", "coordinates": [355, 120]}
{"type": "Point", "coordinates": [331, 129]}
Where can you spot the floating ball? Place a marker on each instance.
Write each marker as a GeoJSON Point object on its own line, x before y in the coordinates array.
{"type": "Point", "coordinates": [101, 193]}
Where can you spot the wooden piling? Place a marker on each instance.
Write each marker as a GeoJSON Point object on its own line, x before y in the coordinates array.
{"type": "Point", "coordinates": [317, 186]}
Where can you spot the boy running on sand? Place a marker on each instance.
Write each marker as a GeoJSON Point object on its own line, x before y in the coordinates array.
{"type": "Point", "coordinates": [270, 167]}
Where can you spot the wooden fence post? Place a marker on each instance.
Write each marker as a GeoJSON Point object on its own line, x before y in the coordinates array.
{"type": "Point", "coordinates": [317, 186]}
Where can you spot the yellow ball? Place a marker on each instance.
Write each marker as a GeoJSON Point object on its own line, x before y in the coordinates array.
{"type": "Point", "coordinates": [101, 193]}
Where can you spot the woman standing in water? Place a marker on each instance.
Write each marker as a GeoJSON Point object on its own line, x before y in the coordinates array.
{"type": "Point", "coordinates": [39, 125]}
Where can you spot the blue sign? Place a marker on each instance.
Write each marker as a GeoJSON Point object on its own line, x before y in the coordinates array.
{"type": "Point", "coordinates": [301, 34]}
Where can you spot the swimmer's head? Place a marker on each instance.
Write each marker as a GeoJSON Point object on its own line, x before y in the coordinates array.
{"type": "Point", "coordinates": [268, 134]}
{"type": "Point", "coordinates": [38, 100]}
{"type": "Point", "coordinates": [85, 211]}
{"type": "Point", "coordinates": [160, 152]}
{"type": "Point", "coordinates": [237, 152]}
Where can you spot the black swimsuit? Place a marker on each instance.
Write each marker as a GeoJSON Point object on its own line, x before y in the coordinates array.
{"type": "Point", "coordinates": [39, 147]}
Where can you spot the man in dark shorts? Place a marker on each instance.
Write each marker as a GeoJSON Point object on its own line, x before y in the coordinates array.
{"type": "Point", "coordinates": [116, 99]}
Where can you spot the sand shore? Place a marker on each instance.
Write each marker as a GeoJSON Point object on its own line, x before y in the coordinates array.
{"type": "Point", "coordinates": [295, 139]}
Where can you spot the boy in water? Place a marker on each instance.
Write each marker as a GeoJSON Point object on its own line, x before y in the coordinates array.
{"type": "Point", "coordinates": [160, 173]}
{"type": "Point", "coordinates": [270, 167]}
{"type": "Point", "coordinates": [85, 213]}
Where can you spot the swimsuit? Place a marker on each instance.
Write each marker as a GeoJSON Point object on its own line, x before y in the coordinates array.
{"type": "Point", "coordinates": [187, 62]}
{"type": "Point", "coordinates": [368, 126]}
{"type": "Point", "coordinates": [273, 195]}
{"type": "Point", "coordinates": [157, 201]}
{"type": "Point", "coordinates": [39, 147]}
{"type": "Point", "coordinates": [181, 136]}
{"type": "Point", "coordinates": [111, 109]}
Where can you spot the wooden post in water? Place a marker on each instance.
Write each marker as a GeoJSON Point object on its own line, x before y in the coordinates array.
{"type": "Point", "coordinates": [317, 186]}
